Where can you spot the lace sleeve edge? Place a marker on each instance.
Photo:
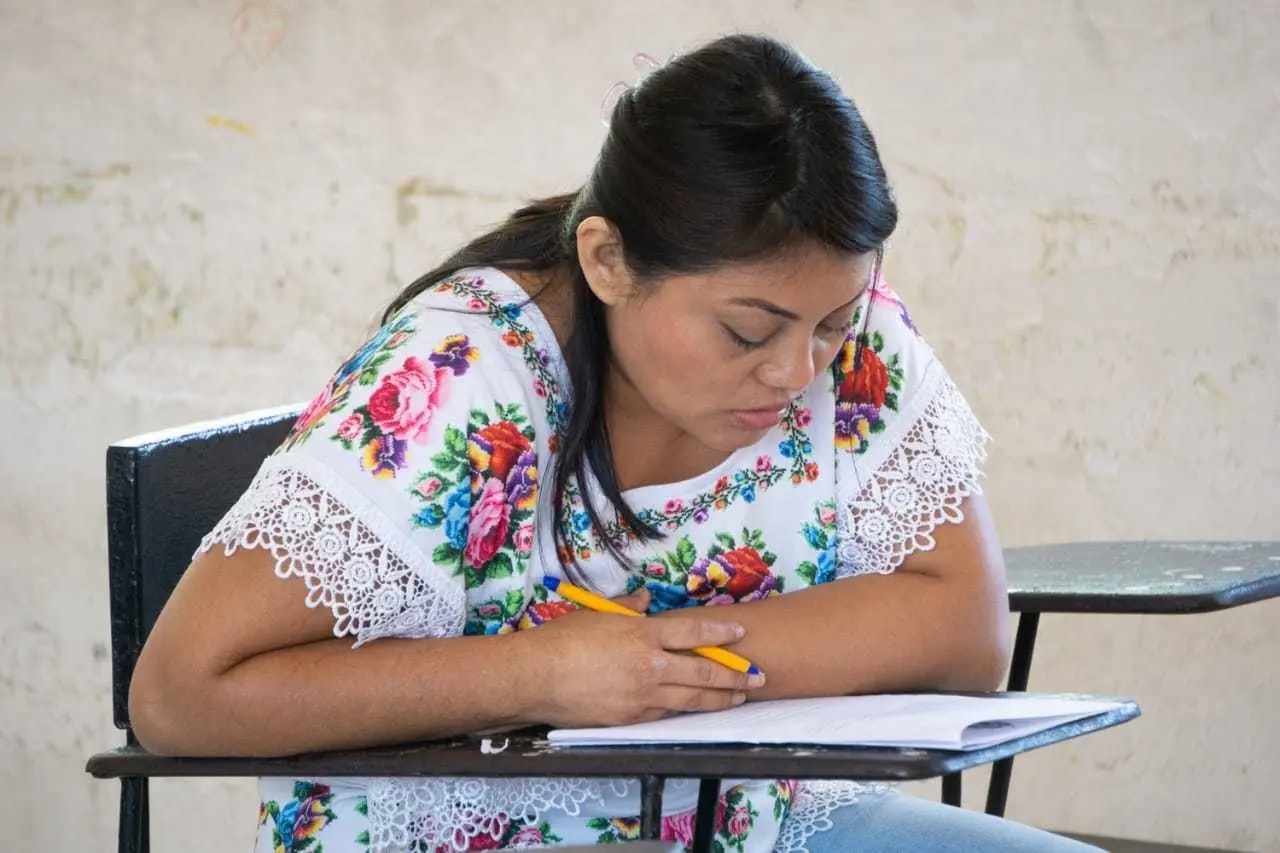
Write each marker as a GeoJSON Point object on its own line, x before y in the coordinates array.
{"type": "Point", "coordinates": [353, 559]}
{"type": "Point", "coordinates": [920, 485]}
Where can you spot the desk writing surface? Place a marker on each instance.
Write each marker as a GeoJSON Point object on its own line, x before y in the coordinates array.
{"type": "Point", "coordinates": [1142, 577]}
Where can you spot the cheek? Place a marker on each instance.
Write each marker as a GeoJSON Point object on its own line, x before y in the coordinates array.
{"type": "Point", "coordinates": [667, 356]}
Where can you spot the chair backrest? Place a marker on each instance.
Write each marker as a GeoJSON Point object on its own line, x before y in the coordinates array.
{"type": "Point", "coordinates": [165, 491]}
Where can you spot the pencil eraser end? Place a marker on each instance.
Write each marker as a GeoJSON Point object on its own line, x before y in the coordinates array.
{"type": "Point", "coordinates": [753, 670]}
{"type": "Point", "coordinates": [551, 582]}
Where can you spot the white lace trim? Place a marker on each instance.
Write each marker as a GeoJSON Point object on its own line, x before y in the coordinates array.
{"type": "Point", "coordinates": [919, 485]}
{"type": "Point", "coordinates": [811, 810]}
{"type": "Point", "coordinates": [452, 812]}
{"type": "Point", "coordinates": [353, 559]}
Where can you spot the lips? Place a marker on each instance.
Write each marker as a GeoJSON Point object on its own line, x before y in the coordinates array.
{"type": "Point", "coordinates": [759, 418]}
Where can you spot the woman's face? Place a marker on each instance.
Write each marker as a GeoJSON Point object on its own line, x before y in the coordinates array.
{"type": "Point", "coordinates": [719, 356]}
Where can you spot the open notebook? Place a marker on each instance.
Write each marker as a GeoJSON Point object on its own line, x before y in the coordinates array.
{"type": "Point", "coordinates": [923, 721]}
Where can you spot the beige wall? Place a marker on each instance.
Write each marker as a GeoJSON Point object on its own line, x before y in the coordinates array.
{"type": "Point", "coordinates": [198, 218]}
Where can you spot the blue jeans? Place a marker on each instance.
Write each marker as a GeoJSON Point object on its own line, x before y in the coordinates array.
{"type": "Point", "coordinates": [894, 822]}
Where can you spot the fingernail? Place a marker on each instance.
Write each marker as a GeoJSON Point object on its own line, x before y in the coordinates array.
{"type": "Point", "coordinates": [739, 631]}
{"type": "Point", "coordinates": [755, 680]}
{"type": "Point", "coordinates": [739, 698]}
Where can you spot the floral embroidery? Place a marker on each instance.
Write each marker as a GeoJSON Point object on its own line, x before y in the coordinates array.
{"type": "Point", "coordinates": [482, 489]}
{"type": "Point", "coordinates": [735, 817]}
{"type": "Point", "coordinates": [728, 573]}
{"type": "Point", "coordinates": [360, 369]}
{"type": "Point", "coordinates": [820, 534]}
{"type": "Point", "coordinates": [401, 409]}
{"type": "Point", "coordinates": [781, 792]}
{"type": "Point", "coordinates": [863, 393]}
{"type": "Point", "coordinates": [516, 335]}
{"type": "Point", "coordinates": [297, 823]}
{"type": "Point", "coordinates": [616, 830]}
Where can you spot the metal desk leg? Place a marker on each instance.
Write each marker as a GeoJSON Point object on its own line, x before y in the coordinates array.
{"type": "Point", "coordinates": [704, 828]}
{"type": "Point", "coordinates": [135, 819]}
{"type": "Point", "coordinates": [651, 807]}
{"type": "Point", "coordinates": [951, 789]}
{"type": "Point", "coordinates": [1019, 674]}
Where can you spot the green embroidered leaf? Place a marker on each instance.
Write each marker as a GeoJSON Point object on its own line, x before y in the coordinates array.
{"type": "Point", "coordinates": [891, 401]}
{"type": "Point", "coordinates": [479, 417]}
{"type": "Point", "coordinates": [499, 566]}
{"type": "Point", "coordinates": [808, 572]}
{"type": "Point", "coordinates": [769, 557]}
{"type": "Point", "coordinates": [726, 540]}
{"type": "Point", "coordinates": [878, 426]}
{"type": "Point", "coordinates": [363, 838]}
{"type": "Point", "coordinates": [686, 555]}
{"type": "Point", "coordinates": [362, 806]}
{"type": "Point", "coordinates": [514, 602]}
{"type": "Point", "coordinates": [877, 341]}
{"type": "Point", "coordinates": [455, 441]}
{"type": "Point", "coordinates": [445, 554]}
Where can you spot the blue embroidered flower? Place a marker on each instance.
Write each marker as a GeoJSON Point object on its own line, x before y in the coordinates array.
{"type": "Point", "coordinates": [666, 596]}
{"type": "Point", "coordinates": [788, 449]}
{"type": "Point", "coordinates": [581, 521]}
{"type": "Point", "coordinates": [457, 515]}
{"type": "Point", "coordinates": [826, 566]}
{"type": "Point", "coordinates": [748, 493]}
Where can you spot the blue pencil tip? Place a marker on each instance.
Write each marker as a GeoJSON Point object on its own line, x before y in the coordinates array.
{"type": "Point", "coordinates": [551, 582]}
{"type": "Point", "coordinates": [753, 670]}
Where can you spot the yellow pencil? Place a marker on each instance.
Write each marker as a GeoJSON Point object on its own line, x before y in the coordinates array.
{"type": "Point", "coordinates": [591, 601]}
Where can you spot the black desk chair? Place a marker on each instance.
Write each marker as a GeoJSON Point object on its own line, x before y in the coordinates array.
{"type": "Point", "coordinates": [166, 490]}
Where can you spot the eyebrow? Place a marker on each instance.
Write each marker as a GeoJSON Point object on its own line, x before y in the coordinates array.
{"type": "Point", "coordinates": [778, 310]}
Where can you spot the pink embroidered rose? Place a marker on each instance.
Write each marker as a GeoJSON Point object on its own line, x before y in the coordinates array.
{"type": "Point", "coordinates": [655, 570]}
{"type": "Point", "coordinates": [740, 822]}
{"type": "Point", "coordinates": [490, 515]}
{"type": "Point", "coordinates": [524, 538]}
{"type": "Point", "coordinates": [827, 516]}
{"type": "Point", "coordinates": [527, 836]}
{"type": "Point", "coordinates": [673, 506]}
{"type": "Point", "coordinates": [679, 828]}
{"type": "Point", "coordinates": [315, 410]}
{"type": "Point", "coordinates": [429, 487]}
{"type": "Point", "coordinates": [475, 303]}
{"type": "Point", "coordinates": [763, 464]}
{"type": "Point", "coordinates": [404, 403]}
{"type": "Point", "coordinates": [351, 427]}
{"type": "Point", "coordinates": [804, 418]}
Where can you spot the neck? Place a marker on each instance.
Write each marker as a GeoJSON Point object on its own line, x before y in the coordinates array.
{"type": "Point", "coordinates": [648, 449]}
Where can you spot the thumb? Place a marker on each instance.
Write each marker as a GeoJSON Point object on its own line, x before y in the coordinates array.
{"type": "Point", "coordinates": [637, 601]}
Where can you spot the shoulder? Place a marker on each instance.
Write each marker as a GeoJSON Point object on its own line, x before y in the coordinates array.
{"type": "Point", "coordinates": [466, 343]}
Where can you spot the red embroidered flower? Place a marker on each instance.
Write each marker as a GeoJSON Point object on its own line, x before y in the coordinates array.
{"type": "Point", "coordinates": [869, 384]}
{"type": "Point", "coordinates": [495, 448]}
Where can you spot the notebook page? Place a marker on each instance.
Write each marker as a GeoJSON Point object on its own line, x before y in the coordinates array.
{"type": "Point", "coordinates": [924, 720]}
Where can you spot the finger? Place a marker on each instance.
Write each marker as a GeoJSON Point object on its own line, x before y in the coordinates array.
{"type": "Point", "coordinates": [694, 699]}
{"type": "Point", "coordinates": [687, 671]}
{"type": "Point", "coordinates": [637, 601]}
{"type": "Point", "coordinates": [691, 632]}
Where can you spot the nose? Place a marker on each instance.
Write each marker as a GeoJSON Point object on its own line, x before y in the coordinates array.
{"type": "Point", "coordinates": [793, 368]}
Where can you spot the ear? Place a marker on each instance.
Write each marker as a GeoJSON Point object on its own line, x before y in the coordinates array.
{"type": "Point", "coordinates": [600, 254]}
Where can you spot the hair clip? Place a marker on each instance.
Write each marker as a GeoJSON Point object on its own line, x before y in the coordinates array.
{"type": "Point", "coordinates": [645, 64]}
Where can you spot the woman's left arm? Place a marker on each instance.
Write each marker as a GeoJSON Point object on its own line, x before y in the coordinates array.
{"type": "Point", "coordinates": [940, 621]}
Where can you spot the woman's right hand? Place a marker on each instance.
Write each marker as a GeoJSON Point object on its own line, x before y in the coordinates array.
{"type": "Point", "coordinates": [599, 669]}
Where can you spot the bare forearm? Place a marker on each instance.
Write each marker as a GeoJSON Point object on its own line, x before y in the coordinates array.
{"type": "Point", "coordinates": [873, 634]}
{"type": "Point", "coordinates": [326, 695]}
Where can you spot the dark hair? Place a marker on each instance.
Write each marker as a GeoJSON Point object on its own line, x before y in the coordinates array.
{"type": "Point", "coordinates": [734, 152]}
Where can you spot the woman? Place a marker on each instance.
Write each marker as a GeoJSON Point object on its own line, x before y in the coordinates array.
{"type": "Point", "coordinates": [685, 385]}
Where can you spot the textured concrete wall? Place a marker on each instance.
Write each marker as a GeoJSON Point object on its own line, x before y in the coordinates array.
{"type": "Point", "coordinates": [202, 206]}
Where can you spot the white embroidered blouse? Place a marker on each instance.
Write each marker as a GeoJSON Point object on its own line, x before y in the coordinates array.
{"type": "Point", "coordinates": [407, 496]}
